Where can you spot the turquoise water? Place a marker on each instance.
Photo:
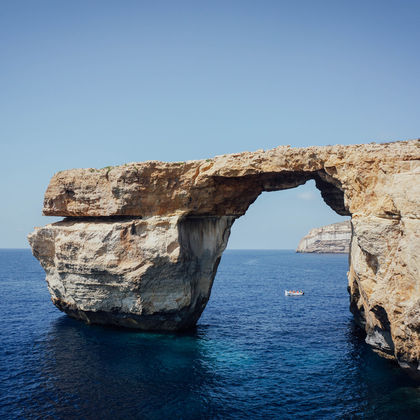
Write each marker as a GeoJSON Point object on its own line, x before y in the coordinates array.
{"type": "Point", "coordinates": [254, 354]}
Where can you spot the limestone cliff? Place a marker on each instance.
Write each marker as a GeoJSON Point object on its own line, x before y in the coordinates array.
{"type": "Point", "coordinates": [334, 239]}
{"type": "Point", "coordinates": [148, 274]}
{"type": "Point", "coordinates": [142, 241]}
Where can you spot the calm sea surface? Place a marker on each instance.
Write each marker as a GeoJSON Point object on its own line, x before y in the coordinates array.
{"type": "Point", "coordinates": [255, 353]}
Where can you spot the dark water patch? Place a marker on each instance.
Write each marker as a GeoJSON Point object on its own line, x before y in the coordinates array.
{"type": "Point", "coordinates": [254, 354]}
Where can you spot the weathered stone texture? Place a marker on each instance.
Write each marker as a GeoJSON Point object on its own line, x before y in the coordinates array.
{"type": "Point", "coordinates": [151, 265]}
{"type": "Point", "coordinates": [149, 274]}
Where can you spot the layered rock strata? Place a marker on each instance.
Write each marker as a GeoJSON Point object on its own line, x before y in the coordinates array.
{"type": "Point", "coordinates": [141, 242]}
{"type": "Point", "coordinates": [153, 274]}
{"type": "Point", "coordinates": [332, 239]}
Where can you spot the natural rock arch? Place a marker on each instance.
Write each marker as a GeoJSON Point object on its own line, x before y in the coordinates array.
{"type": "Point", "coordinates": [141, 242]}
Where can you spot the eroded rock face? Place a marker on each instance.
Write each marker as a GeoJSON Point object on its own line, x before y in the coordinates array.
{"type": "Point", "coordinates": [333, 239]}
{"type": "Point", "coordinates": [142, 241]}
{"type": "Point", "coordinates": [153, 274]}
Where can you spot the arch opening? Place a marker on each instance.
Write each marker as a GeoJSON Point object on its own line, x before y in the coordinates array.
{"type": "Point", "coordinates": [204, 238]}
{"type": "Point", "coordinates": [279, 220]}
{"type": "Point", "coordinates": [233, 195]}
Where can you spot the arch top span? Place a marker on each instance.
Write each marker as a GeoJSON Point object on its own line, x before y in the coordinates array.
{"type": "Point", "coordinates": [141, 242]}
{"type": "Point", "coordinates": [224, 185]}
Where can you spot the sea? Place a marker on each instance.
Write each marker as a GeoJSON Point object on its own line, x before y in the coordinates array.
{"type": "Point", "coordinates": [255, 354]}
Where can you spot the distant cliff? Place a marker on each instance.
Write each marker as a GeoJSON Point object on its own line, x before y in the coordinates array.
{"type": "Point", "coordinates": [333, 238]}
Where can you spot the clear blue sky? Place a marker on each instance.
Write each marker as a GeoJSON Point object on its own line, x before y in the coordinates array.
{"type": "Point", "coordinates": [97, 83]}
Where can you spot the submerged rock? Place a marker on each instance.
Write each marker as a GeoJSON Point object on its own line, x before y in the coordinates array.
{"type": "Point", "coordinates": [142, 241]}
{"type": "Point", "coordinates": [333, 239]}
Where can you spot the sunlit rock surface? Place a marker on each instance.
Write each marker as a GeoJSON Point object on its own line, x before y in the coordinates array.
{"type": "Point", "coordinates": [153, 274]}
{"type": "Point", "coordinates": [142, 241]}
{"type": "Point", "coordinates": [333, 239]}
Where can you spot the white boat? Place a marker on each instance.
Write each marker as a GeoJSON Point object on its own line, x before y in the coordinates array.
{"type": "Point", "coordinates": [293, 293]}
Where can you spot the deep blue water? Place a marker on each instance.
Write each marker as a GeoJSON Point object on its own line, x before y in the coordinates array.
{"type": "Point", "coordinates": [255, 353]}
